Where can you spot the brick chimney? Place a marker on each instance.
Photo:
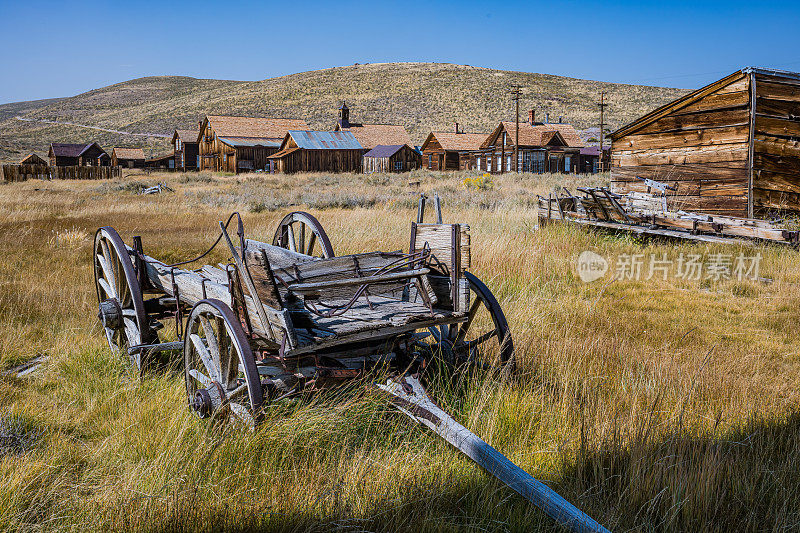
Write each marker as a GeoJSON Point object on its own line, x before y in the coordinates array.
{"type": "Point", "coordinates": [532, 116]}
{"type": "Point", "coordinates": [547, 118]}
{"type": "Point", "coordinates": [456, 128]}
{"type": "Point", "coordinates": [560, 118]}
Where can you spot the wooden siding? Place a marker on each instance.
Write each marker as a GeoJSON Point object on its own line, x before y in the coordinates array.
{"type": "Point", "coordinates": [776, 145]}
{"type": "Point", "coordinates": [408, 158]}
{"type": "Point", "coordinates": [44, 172]}
{"type": "Point", "coordinates": [217, 156]}
{"type": "Point", "coordinates": [434, 157]}
{"type": "Point", "coordinates": [320, 161]}
{"type": "Point", "coordinates": [701, 148]}
{"type": "Point", "coordinates": [186, 158]}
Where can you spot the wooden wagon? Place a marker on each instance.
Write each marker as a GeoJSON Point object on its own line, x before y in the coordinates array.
{"type": "Point", "coordinates": [290, 316]}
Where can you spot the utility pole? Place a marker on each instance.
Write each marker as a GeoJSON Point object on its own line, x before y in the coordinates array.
{"type": "Point", "coordinates": [516, 91]}
{"type": "Point", "coordinates": [603, 106]}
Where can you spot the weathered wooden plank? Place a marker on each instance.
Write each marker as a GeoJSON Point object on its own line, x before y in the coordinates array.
{"type": "Point", "coordinates": [315, 287]}
{"type": "Point", "coordinates": [777, 126]}
{"type": "Point", "coordinates": [694, 139]}
{"type": "Point", "coordinates": [777, 108]}
{"type": "Point", "coordinates": [409, 396]}
{"type": "Point", "coordinates": [714, 101]}
{"type": "Point", "coordinates": [779, 91]}
{"type": "Point", "coordinates": [681, 156]}
{"type": "Point", "coordinates": [715, 118]}
{"type": "Point", "coordinates": [767, 144]}
{"type": "Point", "coordinates": [190, 288]}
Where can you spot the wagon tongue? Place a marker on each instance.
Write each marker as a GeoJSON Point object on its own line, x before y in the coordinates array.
{"type": "Point", "coordinates": [408, 395]}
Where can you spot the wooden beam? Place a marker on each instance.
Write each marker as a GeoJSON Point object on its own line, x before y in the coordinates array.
{"type": "Point", "coordinates": [408, 395]}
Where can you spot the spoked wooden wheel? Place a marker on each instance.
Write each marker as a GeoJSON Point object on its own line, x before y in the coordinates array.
{"type": "Point", "coordinates": [302, 233]}
{"type": "Point", "coordinates": [122, 311]}
{"type": "Point", "coordinates": [221, 374]}
{"type": "Point", "coordinates": [484, 339]}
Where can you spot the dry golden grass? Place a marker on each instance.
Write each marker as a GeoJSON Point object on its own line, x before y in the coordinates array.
{"type": "Point", "coordinates": [652, 405]}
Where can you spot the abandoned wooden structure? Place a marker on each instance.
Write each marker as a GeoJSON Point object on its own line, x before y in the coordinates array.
{"type": "Point", "coordinates": [543, 147]}
{"type": "Point", "coordinates": [186, 154]}
{"type": "Point", "coordinates": [127, 157]}
{"type": "Point", "coordinates": [729, 148]}
{"type": "Point", "coordinates": [161, 162]}
{"type": "Point", "coordinates": [318, 151]}
{"type": "Point", "coordinates": [371, 135]}
{"type": "Point", "coordinates": [81, 155]}
{"type": "Point", "coordinates": [396, 158]}
{"type": "Point", "coordinates": [451, 150]}
{"type": "Point", "coordinates": [647, 214]}
{"type": "Point", "coordinates": [32, 159]}
{"type": "Point", "coordinates": [242, 144]}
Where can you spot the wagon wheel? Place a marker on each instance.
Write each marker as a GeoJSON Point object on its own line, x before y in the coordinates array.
{"type": "Point", "coordinates": [220, 369]}
{"type": "Point", "coordinates": [300, 232]}
{"type": "Point", "coordinates": [484, 339]}
{"type": "Point", "coordinates": [119, 296]}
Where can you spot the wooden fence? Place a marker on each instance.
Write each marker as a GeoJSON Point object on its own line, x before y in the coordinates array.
{"type": "Point", "coordinates": [45, 172]}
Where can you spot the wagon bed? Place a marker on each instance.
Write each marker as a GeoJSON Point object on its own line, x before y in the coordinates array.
{"type": "Point", "coordinates": [290, 316]}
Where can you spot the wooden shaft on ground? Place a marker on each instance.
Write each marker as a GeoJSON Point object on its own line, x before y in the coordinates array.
{"type": "Point", "coordinates": [409, 396]}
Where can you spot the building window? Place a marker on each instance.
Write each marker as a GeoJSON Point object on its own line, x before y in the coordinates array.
{"type": "Point", "coordinates": [508, 163]}
{"type": "Point", "coordinates": [567, 163]}
{"type": "Point", "coordinates": [171, 163]}
{"type": "Point", "coordinates": [478, 162]}
{"type": "Point", "coordinates": [499, 163]}
{"type": "Point", "coordinates": [178, 144]}
{"type": "Point", "coordinates": [430, 161]}
{"type": "Point", "coordinates": [488, 164]}
{"type": "Point", "coordinates": [398, 165]}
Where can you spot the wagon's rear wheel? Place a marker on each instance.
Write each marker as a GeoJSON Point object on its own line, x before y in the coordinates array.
{"type": "Point", "coordinates": [122, 311]}
{"type": "Point", "coordinates": [484, 340]}
{"type": "Point", "coordinates": [220, 369]}
{"type": "Point", "coordinates": [302, 233]}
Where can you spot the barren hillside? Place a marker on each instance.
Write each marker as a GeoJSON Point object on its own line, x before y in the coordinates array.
{"type": "Point", "coordinates": [422, 96]}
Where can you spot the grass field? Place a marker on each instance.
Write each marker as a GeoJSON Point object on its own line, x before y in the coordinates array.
{"type": "Point", "coordinates": [653, 405]}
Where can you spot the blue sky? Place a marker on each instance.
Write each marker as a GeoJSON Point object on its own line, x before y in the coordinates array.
{"type": "Point", "coordinates": [64, 48]}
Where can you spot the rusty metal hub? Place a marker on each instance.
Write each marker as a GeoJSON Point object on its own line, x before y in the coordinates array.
{"type": "Point", "coordinates": [110, 314]}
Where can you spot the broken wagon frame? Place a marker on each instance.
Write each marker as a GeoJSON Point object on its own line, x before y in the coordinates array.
{"type": "Point", "coordinates": [290, 316]}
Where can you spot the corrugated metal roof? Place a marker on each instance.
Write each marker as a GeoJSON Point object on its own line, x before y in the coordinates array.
{"type": "Point", "coordinates": [325, 140]}
{"type": "Point", "coordinates": [384, 150]}
{"type": "Point", "coordinates": [250, 142]}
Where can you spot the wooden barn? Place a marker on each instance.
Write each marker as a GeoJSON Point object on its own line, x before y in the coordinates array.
{"type": "Point", "coordinates": [242, 144]}
{"type": "Point", "coordinates": [186, 154]}
{"type": "Point", "coordinates": [451, 150]}
{"type": "Point", "coordinates": [371, 135]}
{"type": "Point", "coordinates": [391, 158]}
{"type": "Point", "coordinates": [543, 147]}
{"type": "Point", "coordinates": [127, 157]}
{"type": "Point", "coordinates": [319, 151]}
{"type": "Point", "coordinates": [729, 148]}
{"type": "Point", "coordinates": [72, 155]}
{"type": "Point", "coordinates": [32, 159]}
{"type": "Point", "coordinates": [104, 160]}
{"type": "Point", "coordinates": [161, 162]}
